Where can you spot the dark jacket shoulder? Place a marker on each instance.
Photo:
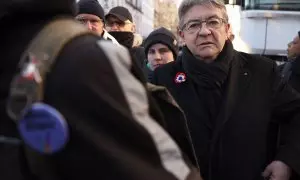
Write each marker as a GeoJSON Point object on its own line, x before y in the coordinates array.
{"type": "Point", "coordinates": [254, 63]}
{"type": "Point", "coordinates": [255, 60]}
{"type": "Point", "coordinates": [166, 72]}
{"type": "Point", "coordinates": [138, 55]}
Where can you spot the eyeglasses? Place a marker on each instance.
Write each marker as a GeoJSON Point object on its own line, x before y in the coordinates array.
{"type": "Point", "coordinates": [194, 26]}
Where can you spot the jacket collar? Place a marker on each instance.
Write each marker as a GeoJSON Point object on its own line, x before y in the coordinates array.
{"type": "Point", "coordinates": [237, 83]}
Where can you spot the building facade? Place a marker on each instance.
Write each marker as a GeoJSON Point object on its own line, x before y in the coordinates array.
{"type": "Point", "coordinates": [142, 12]}
{"type": "Point", "coordinates": [165, 15]}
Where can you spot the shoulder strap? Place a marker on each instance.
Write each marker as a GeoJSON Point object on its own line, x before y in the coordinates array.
{"type": "Point", "coordinates": [49, 42]}
{"type": "Point", "coordinates": [38, 59]}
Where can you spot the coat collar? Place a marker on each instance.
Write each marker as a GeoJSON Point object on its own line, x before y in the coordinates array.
{"type": "Point", "coordinates": [237, 83]}
{"type": "Point", "coordinates": [185, 92]}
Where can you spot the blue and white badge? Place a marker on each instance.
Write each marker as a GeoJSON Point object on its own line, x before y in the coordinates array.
{"type": "Point", "coordinates": [44, 129]}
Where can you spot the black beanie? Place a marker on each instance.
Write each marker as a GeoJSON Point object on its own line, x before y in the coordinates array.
{"type": "Point", "coordinates": [163, 36]}
{"type": "Point", "coordinates": [90, 7]}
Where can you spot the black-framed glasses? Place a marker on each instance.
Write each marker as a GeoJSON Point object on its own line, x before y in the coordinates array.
{"type": "Point", "coordinates": [195, 25]}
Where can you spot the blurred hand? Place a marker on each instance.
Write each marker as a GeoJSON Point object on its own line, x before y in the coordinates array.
{"type": "Point", "coordinates": [277, 170]}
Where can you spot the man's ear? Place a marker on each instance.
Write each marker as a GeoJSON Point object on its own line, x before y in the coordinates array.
{"type": "Point", "coordinates": [180, 33]}
{"type": "Point", "coordinates": [180, 36]}
{"type": "Point", "coordinates": [133, 28]}
{"type": "Point", "coordinates": [228, 30]}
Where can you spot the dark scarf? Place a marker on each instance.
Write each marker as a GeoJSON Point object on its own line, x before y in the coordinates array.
{"type": "Point", "coordinates": [124, 38]}
{"type": "Point", "coordinates": [211, 75]}
{"type": "Point", "coordinates": [208, 80]}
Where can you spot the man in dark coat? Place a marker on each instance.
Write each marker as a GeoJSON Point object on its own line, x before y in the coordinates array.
{"type": "Point", "coordinates": [102, 96]}
{"type": "Point", "coordinates": [290, 73]}
{"type": "Point", "coordinates": [119, 23]}
{"type": "Point", "coordinates": [230, 100]}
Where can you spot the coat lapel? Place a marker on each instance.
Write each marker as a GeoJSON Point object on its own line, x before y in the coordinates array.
{"type": "Point", "coordinates": [238, 83]}
{"type": "Point", "coordinates": [187, 94]}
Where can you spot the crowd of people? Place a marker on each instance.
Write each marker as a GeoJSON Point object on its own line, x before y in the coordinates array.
{"type": "Point", "coordinates": [124, 107]}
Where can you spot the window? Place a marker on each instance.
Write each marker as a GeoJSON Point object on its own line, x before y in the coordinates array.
{"type": "Point", "coordinates": [289, 5]}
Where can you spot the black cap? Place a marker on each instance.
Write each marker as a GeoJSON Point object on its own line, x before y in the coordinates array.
{"type": "Point", "coordinates": [163, 36]}
{"type": "Point", "coordinates": [121, 13]}
{"type": "Point", "coordinates": [90, 7]}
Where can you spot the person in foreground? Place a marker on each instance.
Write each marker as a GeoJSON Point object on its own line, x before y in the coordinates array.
{"type": "Point", "coordinates": [111, 134]}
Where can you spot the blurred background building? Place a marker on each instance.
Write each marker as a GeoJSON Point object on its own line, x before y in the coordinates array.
{"type": "Point", "coordinates": [142, 12]}
{"type": "Point", "coordinates": [165, 14]}
{"type": "Point", "coordinates": [148, 14]}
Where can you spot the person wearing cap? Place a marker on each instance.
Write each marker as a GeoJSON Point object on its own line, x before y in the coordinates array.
{"type": "Point", "coordinates": [120, 25]}
{"type": "Point", "coordinates": [119, 19]}
{"type": "Point", "coordinates": [161, 47]}
{"type": "Point", "coordinates": [91, 14]}
{"type": "Point", "coordinates": [95, 86]}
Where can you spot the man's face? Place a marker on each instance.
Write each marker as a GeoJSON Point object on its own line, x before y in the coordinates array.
{"type": "Point", "coordinates": [294, 48]}
{"type": "Point", "coordinates": [92, 22]}
{"type": "Point", "coordinates": [159, 54]}
{"type": "Point", "coordinates": [204, 32]}
{"type": "Point", "coordinates": [115, 24]}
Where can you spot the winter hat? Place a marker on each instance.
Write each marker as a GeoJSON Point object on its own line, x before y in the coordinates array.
{"type": "Point", "coordinates": [90, 7]}
{"type": "Point", "coordinates": [163, 36]}
{"type": "Point", "coordinates": [121, 13]}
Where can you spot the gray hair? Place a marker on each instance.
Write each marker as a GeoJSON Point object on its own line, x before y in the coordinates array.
{"type": "Point", "coordinates": [186, 5]}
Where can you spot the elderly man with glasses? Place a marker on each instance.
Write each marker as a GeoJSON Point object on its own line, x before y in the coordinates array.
{"type": "Point", "coordinates": [91, 14]}
{"type": "Point", "coordinates": [231, 100]}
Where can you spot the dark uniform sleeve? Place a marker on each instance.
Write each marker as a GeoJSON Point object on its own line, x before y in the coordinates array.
{"type": "Point", "coordinates": [286, 108]}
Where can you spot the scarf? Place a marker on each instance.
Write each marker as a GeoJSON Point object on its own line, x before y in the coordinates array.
{"type": "Point", "coordinates": [124, 38]}
{"type": "Point", "coordinates": [210, 76]}
{"type": "Point", "coordinates": [208, 81]}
